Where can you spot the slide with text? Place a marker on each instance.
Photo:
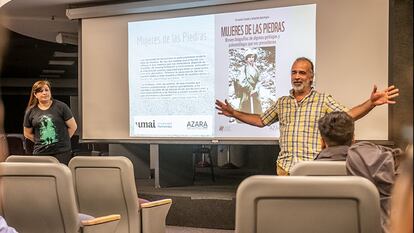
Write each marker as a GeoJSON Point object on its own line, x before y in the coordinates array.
{"type": "Point", "coordinates": [178, 67]}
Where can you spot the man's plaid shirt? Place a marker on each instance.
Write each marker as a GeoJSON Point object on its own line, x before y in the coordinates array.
{"type": "Point", "coordinates": [299, 135]}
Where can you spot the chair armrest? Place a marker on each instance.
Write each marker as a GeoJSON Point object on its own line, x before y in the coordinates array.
{"type": "Point", "coordinates": [153, 215]}
{"type": "Point", "coordinates": [156, 203]}
{"type": "Point", "coordinates": [103, 219]}
{"type": "Point", "coordinates": [104, 224]}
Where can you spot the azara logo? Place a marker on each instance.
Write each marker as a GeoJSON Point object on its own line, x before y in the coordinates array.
{"type": "Point", "coordinates": [197, 125]}
{"type": "Point", "coordinates": [145, 124]}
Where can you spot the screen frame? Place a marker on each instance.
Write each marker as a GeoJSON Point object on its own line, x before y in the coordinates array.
{"type": "Point", "coordinates": [203, 140]}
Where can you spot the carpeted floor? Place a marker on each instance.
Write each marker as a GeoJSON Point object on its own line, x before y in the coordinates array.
{"type": "Point", "coordinates": [206, 206]}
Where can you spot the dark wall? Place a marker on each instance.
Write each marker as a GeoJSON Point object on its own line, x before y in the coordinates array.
{"type": "Point", "coordinates": [15, 106]}
{"type": "Point", "coordinates": [401, 71]}
{"type": "Point", "coordinates": [14, 111]}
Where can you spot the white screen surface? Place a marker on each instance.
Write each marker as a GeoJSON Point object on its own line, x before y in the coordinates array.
{"type": "Point", "coordinates": [179, 66]}
{"type": "Point", "coordinates": [351, 56]}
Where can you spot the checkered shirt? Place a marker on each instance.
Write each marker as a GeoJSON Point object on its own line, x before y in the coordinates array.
{"type": "Point", "coordinates": [299, 135]}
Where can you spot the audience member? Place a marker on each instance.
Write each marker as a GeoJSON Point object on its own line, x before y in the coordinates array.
{"type": "Point", "coordinates": [376, 163]}
{"type": "Point", "coordinates": [3, 140]}
{"type": "Point", "coordinates": [337, 135]}
{"type": "Point", "coordinates": [4, 228]}
{"type": "Point", "coordinates": [401, 217]}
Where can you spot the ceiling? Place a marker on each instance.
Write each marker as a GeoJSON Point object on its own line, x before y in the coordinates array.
{"type": "Point", "coordinates": [32, 52]}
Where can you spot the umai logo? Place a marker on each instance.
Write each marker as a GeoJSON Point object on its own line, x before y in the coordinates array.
{"type": "Point", "coordinates": [197, 125]}
{"type": "Point", "coordinates": [145, 124]}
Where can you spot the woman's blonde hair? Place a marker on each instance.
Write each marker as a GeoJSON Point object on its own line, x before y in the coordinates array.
{"type": "Point", "coordinates": [37, 87]}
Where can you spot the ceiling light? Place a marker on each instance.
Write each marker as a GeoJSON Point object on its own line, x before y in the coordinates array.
{"type": "Point", "coordinates": [67, 38]}
{"type": "Point", "coordinates": [62, 63]}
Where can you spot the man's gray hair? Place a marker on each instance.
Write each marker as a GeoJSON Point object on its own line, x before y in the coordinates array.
{"type": "Point", "coordinates": [306, 60]}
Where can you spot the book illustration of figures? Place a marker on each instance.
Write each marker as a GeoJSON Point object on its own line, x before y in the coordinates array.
{"type": "Point", "coordinates": [251, 79]}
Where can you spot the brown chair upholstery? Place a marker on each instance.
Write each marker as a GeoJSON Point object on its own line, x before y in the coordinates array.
{"type": "Point", "coordinates": [32, 159]}
{"type": "Point", "coordinates": [323, 204]}
{"type": "Point", "coordinates": [16, 144]}
{"type": "Point", "coordinates": [319, 168]}
{"type": "Point", "coordinates": [39, 198]}
{"type": "Point", "coordinates": [106, 185]}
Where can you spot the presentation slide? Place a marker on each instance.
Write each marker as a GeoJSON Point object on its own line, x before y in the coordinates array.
{"type": "Point", "coordinates": [178, 67]}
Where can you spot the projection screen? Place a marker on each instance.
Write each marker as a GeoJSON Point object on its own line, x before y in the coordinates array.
{"type": "Point", "coordinates": [129, 92]}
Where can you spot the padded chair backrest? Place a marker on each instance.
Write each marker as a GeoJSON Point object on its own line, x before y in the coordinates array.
{"type": "Point", "coordinates": [38, 197]}
{"type": "Point", "coordinates": [16, 144]}
{"type": "Point", "coordinates": [323, 204]}
{"type": "Point", "coordinates": [319, 168]}
{"type": "Point", "coordinates": [32, 159]}
{"type": "Point", "coordinates": [106, 185]}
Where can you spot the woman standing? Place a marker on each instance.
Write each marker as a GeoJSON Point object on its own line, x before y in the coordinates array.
{"type": "Point", "coordinates": [49, 123]}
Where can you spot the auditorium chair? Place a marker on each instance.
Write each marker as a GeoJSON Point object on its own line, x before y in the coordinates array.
{"type": "Point", "coordinates": [32, 159]}
{"type": "Point", "coordinates": [39, 198]}
{"type": "Point", "coordinates": [319, 168]}
{"type": "Point", "coordinates": [322, 204]}
{"type": "Point", "coordinates": [106, 184]}
{"type": "Point", "coordinates": [16, 144]}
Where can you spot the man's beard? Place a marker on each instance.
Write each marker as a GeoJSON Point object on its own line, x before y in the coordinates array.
{"type": "Point", "coordinates": [298, 88]}
{"type": "Point", "coordinates": [301, 87]}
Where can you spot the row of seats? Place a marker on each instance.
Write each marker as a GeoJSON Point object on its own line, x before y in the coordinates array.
{"type": "Point", "coordinates": [317, 197]}
{"type": "Point", "coordinates": [19, 145]}
{"type": "Point", "coordinates": [41, 195]}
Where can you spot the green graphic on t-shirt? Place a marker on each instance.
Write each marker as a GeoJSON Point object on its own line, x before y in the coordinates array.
{"type": "Point", "coordinates": [47, 131]}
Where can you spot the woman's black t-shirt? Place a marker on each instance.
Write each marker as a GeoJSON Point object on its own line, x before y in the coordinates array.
{"type": "Point", "coordinates": [50, 131]}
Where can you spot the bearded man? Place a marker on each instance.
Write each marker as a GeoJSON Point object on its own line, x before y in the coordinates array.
{"type": "Point", "coordinates": [298, 115]}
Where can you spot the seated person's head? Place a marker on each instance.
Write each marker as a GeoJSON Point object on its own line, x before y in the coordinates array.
{"type": "Point", "coordinates": [336, 129]}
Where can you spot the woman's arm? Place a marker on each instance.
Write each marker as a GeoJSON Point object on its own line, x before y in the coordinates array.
{"type": "Point", "coordinates": [28, 133]}
{"type": "Point", "coordinates": [72, 126]}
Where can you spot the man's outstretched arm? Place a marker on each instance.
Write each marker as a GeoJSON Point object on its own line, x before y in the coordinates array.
{"type": "Point", "coordinates": [377, 98]}
{"type": "Point", "coordinates": [227, 110]}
